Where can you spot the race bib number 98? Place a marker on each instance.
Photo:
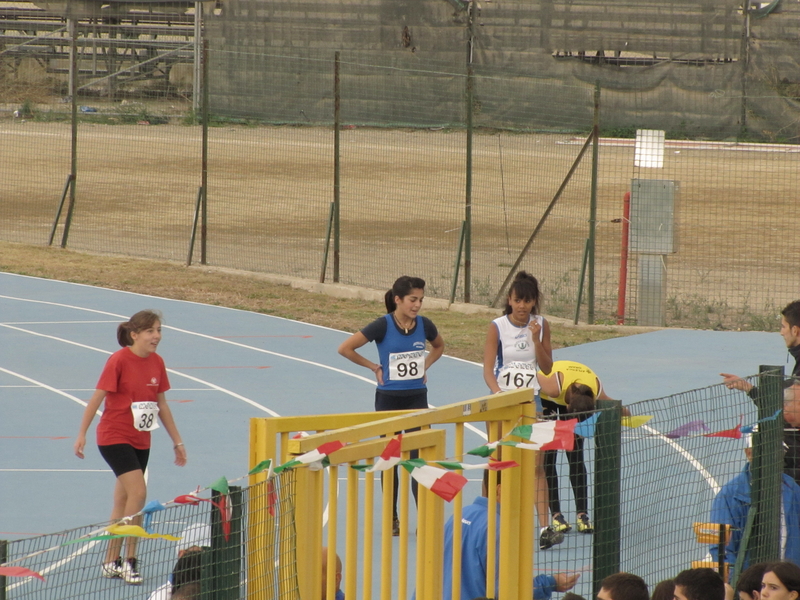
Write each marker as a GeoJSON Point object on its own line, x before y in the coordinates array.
{"type": "Point", "coordinates": [516, 375]}
{"type": "Point", "coordinates": [407, 365]}
{"type": "Point", "coordinates": [145, 415]}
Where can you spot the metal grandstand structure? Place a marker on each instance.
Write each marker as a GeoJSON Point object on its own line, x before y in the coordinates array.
{"type": "Point", "coordinates": [115, 42]}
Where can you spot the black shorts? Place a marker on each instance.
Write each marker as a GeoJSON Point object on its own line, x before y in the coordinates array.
{"type": "Point", "coordinates": [124, 458]}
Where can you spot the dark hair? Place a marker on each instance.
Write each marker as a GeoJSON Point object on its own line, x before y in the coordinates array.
{"type": "Point", "coordinates": [791, 313]}
{"type": "Point", "coordinates": [571, 596]}
{"type": "Point", "coordinates": [701, 584]}
{"type": "Point", "coordinates": [665, 590]}
{"type": "Point", "coordinates": [401, 288]}
{"type": "Point", "coordinates": [187, 570]}
{"type": "Point", "coordinates": [144, 319]}
{"type": "Point", "coordinates": [788, 574]}
{"type": "Point", "coordinates": [626, 586]}
{"type": "Point", "coordinates": [582, 405]}
{"type": "Point", "coordinates": [526, 287]}
{"type": "Point", "coordinates": [190, 591]}
{"type": "Point", "coordinates": [750, 579]}
{"type": "Point", "coordinates": [486, 478]}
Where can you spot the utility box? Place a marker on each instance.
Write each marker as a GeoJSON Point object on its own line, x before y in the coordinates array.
{"type": "Point", "coordinates": [652, 227]}
{"type": "Point", "coordinates": [652, 237]}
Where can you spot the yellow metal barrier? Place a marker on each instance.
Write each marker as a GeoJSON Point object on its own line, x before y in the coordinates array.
{"type": "Point", "coordinates": [366, 435]}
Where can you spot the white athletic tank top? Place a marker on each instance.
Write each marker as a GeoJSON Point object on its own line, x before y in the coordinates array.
{"type": "Point", "coordinates": [515, 366]}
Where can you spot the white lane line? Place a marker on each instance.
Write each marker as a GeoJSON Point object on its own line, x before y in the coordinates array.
{"type": "Point", "coordinates": [202, 335]}
{"type": "Point", "coordinates": [712, 483]}
{"type": "Point", "coordinates": [56, 322]}
{"type": "Point", "coordinates": [195, 379]}
{"type": "Point", "coordinates": [82, 550]}
{"type": "Point", "coordinates": [55, 470]}
{"type": "Point", "coordinates": [47, 387]}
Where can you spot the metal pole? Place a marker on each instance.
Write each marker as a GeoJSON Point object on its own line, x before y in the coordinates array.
{"type": "Point", "coordinates": [194, 226]}
{"type": "Point", "coordinates": [607, 490]}
{"type": "Point", "coordinates": [580, 282]}
{"type": "Point", "coordinates": [548, 210]}
{"type": "Point", "coordinates": [73, 86]}
{"type": "Point", "coordinates": [198, 57]}
{"type": "Point", "coordinates": [337, 125]}
{"type": "Point", "coordinates": [204, 177]}
{"type": "Point", "coordinates": [593, 203]}
{"type": "Point", "coordinates": [744, 59]}
{"type": "Point", "coordinates": [458, 262]}
{"type": "Point", "coordinates": [327, 244]}
{"type": "Point", "coordinates": [67, 185]}
{"type": "Point", "coordinates": [468, 185]}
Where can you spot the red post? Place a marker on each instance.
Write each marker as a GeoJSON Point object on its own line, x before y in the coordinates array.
{"type": "Point", "coordinates": [623, 259]}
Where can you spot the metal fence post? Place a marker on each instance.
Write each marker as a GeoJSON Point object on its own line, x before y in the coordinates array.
{"type": "Point", "coordinates": [766, 469]}
{"type": "Point", "coordinates": [607, 491]}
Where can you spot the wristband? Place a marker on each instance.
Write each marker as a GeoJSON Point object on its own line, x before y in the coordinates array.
{"type": "Point", "coordinates": [175, 447]}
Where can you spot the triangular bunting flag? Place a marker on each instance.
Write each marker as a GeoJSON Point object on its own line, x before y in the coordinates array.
{"type": "Point", "coordinates": [687, 429]}
{"type": "Point", "coordinates": [634, 422]}
{"type": "Point", "coordinates": [548, 435]}
{"type": "Point", "coordinates": [19, 572]}
{"type": "Point", "coordinates": [444, 484]}
{"type": "Point", "coordinates": [311, 457]}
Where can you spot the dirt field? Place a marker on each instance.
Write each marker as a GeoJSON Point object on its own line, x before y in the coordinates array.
{"type": "Point", "coordinates": [402, 205]}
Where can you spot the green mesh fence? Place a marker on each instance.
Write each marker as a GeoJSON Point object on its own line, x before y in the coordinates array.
{"type": "Point", "coordinates": [431, 141]}
{"type": "Point", "coordinates": [214, 565]}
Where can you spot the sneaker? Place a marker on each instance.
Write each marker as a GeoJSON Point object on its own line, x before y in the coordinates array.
{"type": "Point", "coordinates": [560, 524]}
{"type": "Point", "coordinates": [396, 527]}
{"type": "Point", "coordinates": [130, 572]}
{"type": "Point", "coordinates": [549, 537]}
{"type": "Point", "coordinates": [112, 570]}
{"type": "Point", "coordinates": [584, 524]}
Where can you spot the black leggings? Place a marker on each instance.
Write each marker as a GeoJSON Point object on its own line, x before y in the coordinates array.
{"type": "Point", "coordinates": [388, 401]}
{"type": "Point", "coordinates": [577, 477]}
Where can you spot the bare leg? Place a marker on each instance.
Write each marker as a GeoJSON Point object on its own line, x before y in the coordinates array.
{"type": "Point", "coordinates": [542, 492]}
{"type": "Point", "coordinates": [130, 493]}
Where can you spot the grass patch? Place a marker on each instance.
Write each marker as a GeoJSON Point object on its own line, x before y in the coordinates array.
{"type": "Point", "coordinates": [464, 334]}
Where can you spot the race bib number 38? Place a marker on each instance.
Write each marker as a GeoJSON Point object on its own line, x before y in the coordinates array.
{"type": "Point", "coordinates": [517, 375]}
{"type": "Point", "coordinates": [407, 365]}
{"type": "Point", "coordinates": [145, 415]}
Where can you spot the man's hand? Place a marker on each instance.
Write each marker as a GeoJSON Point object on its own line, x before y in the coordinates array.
{"type": "Point", "coordinates": [734, 382]}
{"type": "Point", "coordinates": [565, 581]}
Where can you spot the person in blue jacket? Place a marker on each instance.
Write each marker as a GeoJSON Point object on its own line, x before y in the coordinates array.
{"type": "Point", "coordinates": [474, 545]}
{"type": "Point", "coordinates": [732, 503]}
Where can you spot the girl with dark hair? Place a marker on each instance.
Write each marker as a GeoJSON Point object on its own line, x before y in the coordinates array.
{"type": "Point", "coordinates": [781, 581]}
{"type": "Point", "coordinates": [132, 385]}
{"type": "Point", "coordinates": [517, 346]}
{"type": "Point", "coordinates": [401, 337]}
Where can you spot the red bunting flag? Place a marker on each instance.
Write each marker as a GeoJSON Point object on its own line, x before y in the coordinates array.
{"type": "Point", "coordinates": [19, 572]}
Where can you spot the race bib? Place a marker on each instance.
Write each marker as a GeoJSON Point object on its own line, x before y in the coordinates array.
{"type": "Point", "coordinates": [407, 365]}
{"type": "Point", "coordinates": [516, 375]}
{"type": "Point", "coordinates": [145, 415]}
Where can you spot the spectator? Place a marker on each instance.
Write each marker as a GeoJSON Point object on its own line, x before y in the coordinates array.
{"type": "Point", "coordinates": [339, 593]}
{"type": "Point", "coordinates": [790, 331]}
{"type": "Point", "coordinates": [623, 586]}
{"type": "Point", "coordinates": [474, 545]}
{"type": "Point", "coordinates": [699, 584]}
{"type": "Point", "coordinates": [732, 503]}
{"type": "Point", "coordinates": [749, 584]}
{"type": "Point", "coordinates": [187, 567]}
{"type": "Point", "coordinates": [665, 590]}
{"type": "Point", "coordinates": [781, 581]}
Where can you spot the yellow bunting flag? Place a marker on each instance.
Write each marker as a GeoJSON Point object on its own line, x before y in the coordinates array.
{"type": "Point", "coordinates": [136, 531]}
{"type": "Point", "coordinates": [634, 422]}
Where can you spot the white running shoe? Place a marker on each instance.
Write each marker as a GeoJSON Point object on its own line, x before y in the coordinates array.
{"type": "Point", "coordinates": [112, 570]}
{"type": "Point", "coordinates": [130, 572]}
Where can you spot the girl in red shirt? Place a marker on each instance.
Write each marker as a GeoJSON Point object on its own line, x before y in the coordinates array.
{"type": "Point", "coordinates": [132, 384]}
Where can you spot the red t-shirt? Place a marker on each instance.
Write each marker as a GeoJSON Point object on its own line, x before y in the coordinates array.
{"type": "Point", "coordinates": [128, 378]}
